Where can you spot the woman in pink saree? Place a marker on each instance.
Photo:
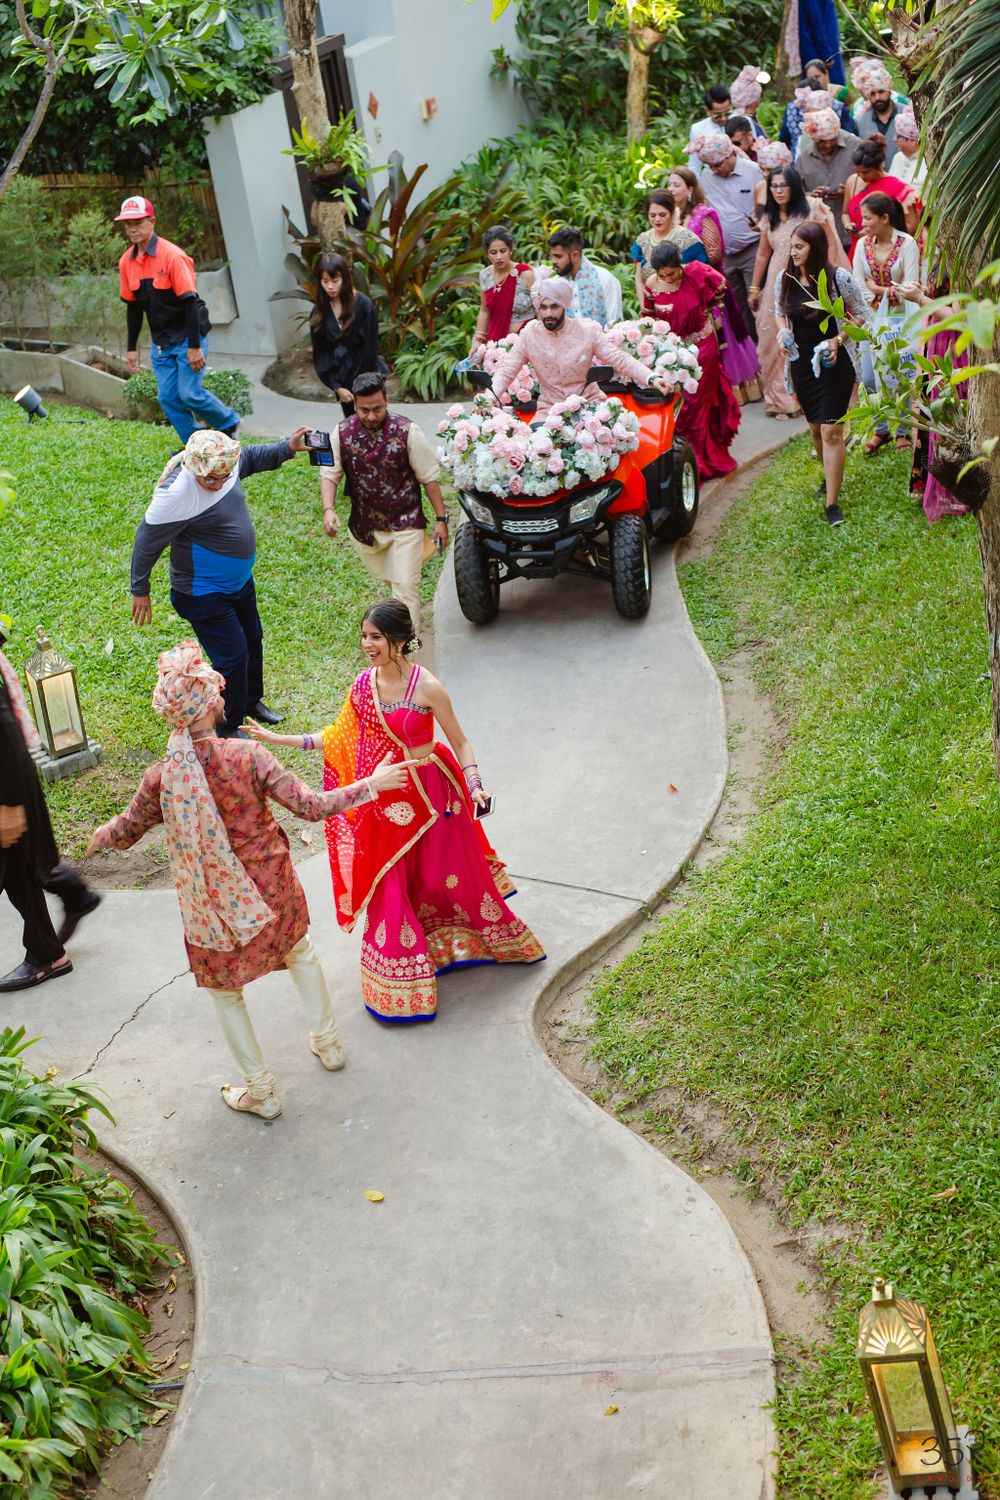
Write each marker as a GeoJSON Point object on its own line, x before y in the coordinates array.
{"type": "Point", "coordinates": [431, 888]}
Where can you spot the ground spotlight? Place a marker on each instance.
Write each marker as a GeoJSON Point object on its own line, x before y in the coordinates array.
{"type": "Point", "coordinates": [30, 402]}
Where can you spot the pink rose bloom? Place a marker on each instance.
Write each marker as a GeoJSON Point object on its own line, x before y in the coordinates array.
{"type": "Point", "coordinates": [515, 484]}
{"type": "Point", "coordinates": [603, 436]}
{"type": "Point", "coordinates": [572, 403]}
{"type": "Point", "coordinates": [555, 464]}
{"type": "Point", "coordinates": [619, 431]}
{"type": "Point", "coordinates": [443, 426]}
{"type": "Point", "coordinates": [586, 438]}
{"type": "Point", "coordinates": [461, 442]}
{"type": "Point", "coordinates": [618, 337]}
{"type": "Point", "coordinates": [523, 394]}
{"type": "Point", "coordinates": [456, 411]}
{"type": "Point", "coordinates": [543, 443]}
{"type": "Point", "coordinates": [645, 349]}
{"type": "Point", "coordinates": [603, 412]}
{"type": "Point", "coordinates": [516, 457]}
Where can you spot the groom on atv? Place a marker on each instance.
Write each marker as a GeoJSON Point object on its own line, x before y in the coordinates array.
{"type": "Point", "coordinates": [562, 350]}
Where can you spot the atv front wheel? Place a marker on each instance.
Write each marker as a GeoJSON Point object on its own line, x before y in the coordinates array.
{"type": "Point", "coordinates": [631, 577]}
{"type": "Point", "coordinates": [477, 577]}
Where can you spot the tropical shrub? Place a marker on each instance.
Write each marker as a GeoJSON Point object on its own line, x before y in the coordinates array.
{"type": "Point", "coordinates": [91, 254]}
{"type": "Point", "coordinates": [413, 255]}
{"type": "Point", "coordinates": [27, 256]}
{"type": "Point", "coordinates": [601, 193]}
{"type": "Point", "coordinates": [74, 1255]}
{"type": "Point", "coordinates": [231, 386]}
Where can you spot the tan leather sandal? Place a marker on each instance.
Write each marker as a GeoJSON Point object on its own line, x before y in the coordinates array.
{"type": "Point", "coordinates": [244, 1103]}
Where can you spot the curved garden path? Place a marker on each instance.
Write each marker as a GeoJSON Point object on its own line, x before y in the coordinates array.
{"type": "Point", "coordinates": [534, 1263]}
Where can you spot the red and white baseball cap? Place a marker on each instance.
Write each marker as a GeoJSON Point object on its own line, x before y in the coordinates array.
{"type": "Point", "coordinates": [136, 208]}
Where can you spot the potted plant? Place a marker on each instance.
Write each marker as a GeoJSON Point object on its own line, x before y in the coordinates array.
{"type": "Point", "coordinates": [330, 159]}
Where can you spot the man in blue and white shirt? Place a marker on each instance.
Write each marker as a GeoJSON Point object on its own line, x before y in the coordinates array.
{"type": "Point", "coordinates": [199, 511]}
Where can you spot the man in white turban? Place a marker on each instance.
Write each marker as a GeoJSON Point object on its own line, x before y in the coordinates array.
{"type": "Point", "coordinates": [562, 350]}
{"type": "Point", "coordinates": [199, 511]}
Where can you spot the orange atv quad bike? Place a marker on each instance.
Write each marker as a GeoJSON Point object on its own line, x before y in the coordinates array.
{"type": "Point", "coordinates": [602, 527]}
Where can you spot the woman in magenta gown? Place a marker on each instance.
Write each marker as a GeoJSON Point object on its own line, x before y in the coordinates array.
{"type": "Point", "coordinates": [687, 297]}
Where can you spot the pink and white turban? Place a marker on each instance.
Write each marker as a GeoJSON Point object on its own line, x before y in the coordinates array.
{"type": "Point", "coordinates": [221, 908]}
{"type": "Point", "coordinates": [861, 68]}
{"type": "Point", "coordinates": [810, 98]}
{"type": "Point", "coordinates": [907, 128]}
{"type": "Point", "coordinates": [210, 454]}
{"type": "Point", "coordinates": [744, 90]}
{"type": "Point", "coordinates": [712, 148]}
{"type": "Point", "coordinates": [820, 125]}
{"type": "Point", "coordinates": [878, 78]}
{"type": "Point", "coordinates": [552, 289]}
{"type": "Point", "coordinates": [773, 156]}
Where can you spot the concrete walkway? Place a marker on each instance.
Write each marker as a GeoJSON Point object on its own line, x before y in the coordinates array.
{"type": "Point", "coordinates": [534, 1263]}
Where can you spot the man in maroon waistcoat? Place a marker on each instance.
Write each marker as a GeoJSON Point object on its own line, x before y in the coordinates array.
{"type": "Point", "coordinates": [386, 459]}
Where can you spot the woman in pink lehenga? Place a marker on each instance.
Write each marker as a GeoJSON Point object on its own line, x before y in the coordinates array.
{"type": "Point", "coordinates": [434, 888]}
{"type": "Point", "coordinates": [739, 352]}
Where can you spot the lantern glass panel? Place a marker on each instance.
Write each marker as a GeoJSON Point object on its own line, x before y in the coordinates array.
{"type": "Point", "coordinates": [908, 1413]}
{"type": "Point", "coordinates": [64, 716]}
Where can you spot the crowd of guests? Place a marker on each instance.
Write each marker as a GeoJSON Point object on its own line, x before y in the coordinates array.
{"type": "Point", "coordinates": [724, 237]}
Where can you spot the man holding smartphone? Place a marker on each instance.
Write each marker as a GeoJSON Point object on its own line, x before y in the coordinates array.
{"type": "Point", "coordinates": [387, 461]}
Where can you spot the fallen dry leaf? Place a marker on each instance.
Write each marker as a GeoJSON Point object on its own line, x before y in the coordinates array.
{"type": "Point", "coordinates": [185, 1366]}
{"type": "Point", "coordinates": [948, 1193]}
{"type": "Point", "coordinates": [373, 1196]}
{"type": "Point", "coordinates": [170, 1114]}
{"type": "Point", "coordinates": [158, 1416]}
{"type": "Point", "coordinates": [611, 1411]}
{"type": "Point", "coordinates": [671, 787]}
{"type": "Point", "coordinates": [168, 1308]}
{"type": "Point", "coordinates": [172, 1282]}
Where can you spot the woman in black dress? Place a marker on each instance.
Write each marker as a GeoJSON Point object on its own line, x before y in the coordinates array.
{"type": "Point", "coordinates": [819, 363]}
{"type": "Point", "coordinates": [343, 326]}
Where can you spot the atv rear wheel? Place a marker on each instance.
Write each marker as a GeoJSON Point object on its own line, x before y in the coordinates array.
{"type": "Point", "coordinates": [631, 576]}
{"type": "Point", "coordinates": [684, 487]}
{"type": "Point", "coordinates": [477, 577]}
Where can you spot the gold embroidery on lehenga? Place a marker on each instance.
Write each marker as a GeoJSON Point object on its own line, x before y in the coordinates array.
{"type": "Point", "coordinates": [380, 935]}
{"type": "Point", "coordinates": [407, 936]}
{"type": "Point", "coordinates": [399, 813]}
{"type": "Point", "coordinates": [489, 910]}
{"type": "Point", "coordinates": [451, 881]}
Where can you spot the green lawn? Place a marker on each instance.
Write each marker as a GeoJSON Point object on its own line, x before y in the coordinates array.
{"type": "Point", "coordinates": [832, 984]}
{"type": "Point", "coordinates": [83, 483]}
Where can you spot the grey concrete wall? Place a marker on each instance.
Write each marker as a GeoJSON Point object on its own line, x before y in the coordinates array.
{"type": "Point", "coordinates": [253, 180]}
{"type": "Point", "coordinates": [438, 48]}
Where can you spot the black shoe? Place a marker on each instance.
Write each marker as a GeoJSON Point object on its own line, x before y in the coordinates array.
{"type": "Point", "coordinates": [233, 734]}
{"type": "Point", "coordinates": [27, 975]}
{"type": "Point", "coordinates": [263, 714]}
{"type": "Point", "coordinates": [835, 515]}
{"type": "Point", "coordinates": [72, 919]}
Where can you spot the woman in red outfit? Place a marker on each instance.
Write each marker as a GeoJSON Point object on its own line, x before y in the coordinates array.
{"type": "Point", "coordinates": [686, 297]}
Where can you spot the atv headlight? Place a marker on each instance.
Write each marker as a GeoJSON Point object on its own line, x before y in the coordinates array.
{"type": "Point", "coordinates": [586, 508]}
{"type": "Point", "coordinates": [476, 509]}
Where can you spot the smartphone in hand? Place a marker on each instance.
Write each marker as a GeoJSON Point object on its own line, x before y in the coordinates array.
{"type": "Point", "coordinates": [483, 811]}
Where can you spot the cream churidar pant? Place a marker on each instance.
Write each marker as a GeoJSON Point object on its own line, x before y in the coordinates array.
{"type": "Point", "coordinates": [307, 977]}
{"type": "Point", "coordinates": [397, 557]}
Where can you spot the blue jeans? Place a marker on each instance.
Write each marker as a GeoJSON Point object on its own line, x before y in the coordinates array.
{"type": "Point", "coordinates": [182, 394]}
{"type": "Point", "coordinates": [232, 637]}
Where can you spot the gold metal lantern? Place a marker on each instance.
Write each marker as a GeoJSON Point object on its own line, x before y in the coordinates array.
{"type": "Point", "coordinates": [55, 700]}
{"type": "Point", "coordinates": [907, 1393]}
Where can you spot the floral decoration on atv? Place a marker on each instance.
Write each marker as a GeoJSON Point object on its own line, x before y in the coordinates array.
{"type": "Point", "coordinates": [651, 341]}
{"type": "Point", "coordinates": [489, 450]}
{"type": "Point", "coordinates": [486, 356]}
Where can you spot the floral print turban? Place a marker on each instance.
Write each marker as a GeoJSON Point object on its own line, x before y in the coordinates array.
{"type": "Point", "coordinates": [773, 156]}
{"type": "Point", "coordinates": [907, 128]}
{"type": "Point", "coordinates": [744, 90]}
{"type": "Point", "coordinates": [210, 455]}
{"type": "Point", "coordinates": [221, 907]}
{"type": "Point", "coordinates": [712, 148]}
{"type": "Point", "coordinates": [821, 124]}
